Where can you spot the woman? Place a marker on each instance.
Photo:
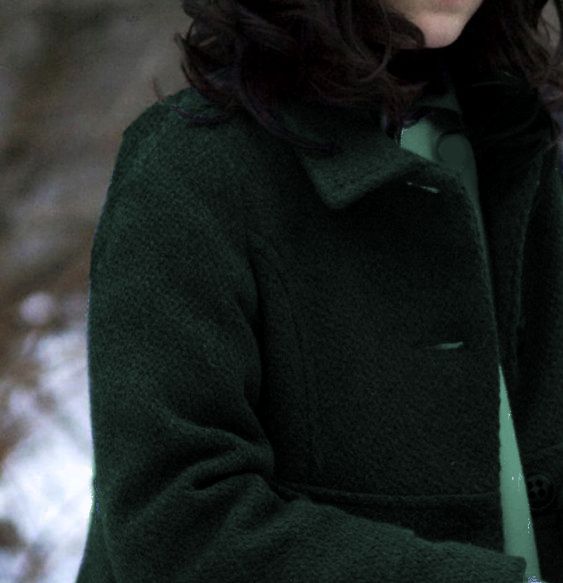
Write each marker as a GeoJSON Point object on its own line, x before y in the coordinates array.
{"type": "Point", "coordinates": [325, 328]}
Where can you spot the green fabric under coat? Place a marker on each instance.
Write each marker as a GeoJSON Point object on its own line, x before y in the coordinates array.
{"type": "Point", "coordinates": [270, 396]}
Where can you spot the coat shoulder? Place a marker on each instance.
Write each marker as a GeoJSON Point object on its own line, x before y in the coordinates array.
{"type": "Point", "coordinates": [163, 146]}
{"type": "Point", "coordinates": [178, 120]}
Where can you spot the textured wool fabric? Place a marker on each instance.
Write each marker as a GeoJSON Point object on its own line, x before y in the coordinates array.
{"type": "Point", "coordinates": [270, 397]}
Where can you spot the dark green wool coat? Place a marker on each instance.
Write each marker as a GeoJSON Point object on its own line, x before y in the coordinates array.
{"type": "Point", "coordinates": [293, 358]}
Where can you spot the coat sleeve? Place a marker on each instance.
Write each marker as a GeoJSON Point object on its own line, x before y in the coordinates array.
{"type": "Point", "coordinates": [182, 466]}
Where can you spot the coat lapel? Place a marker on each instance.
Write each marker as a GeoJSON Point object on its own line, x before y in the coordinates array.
{"type": "Point", "coordinates": [367, 160]}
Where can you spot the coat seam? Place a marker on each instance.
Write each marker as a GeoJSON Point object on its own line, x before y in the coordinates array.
{"type": "Point", "coordinates": [272, 259]}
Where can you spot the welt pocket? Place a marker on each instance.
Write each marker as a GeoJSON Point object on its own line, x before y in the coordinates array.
{"type": "Point", "coordinates": [299, 489]}
{"type": "Point", "coordinates": [463, 517]}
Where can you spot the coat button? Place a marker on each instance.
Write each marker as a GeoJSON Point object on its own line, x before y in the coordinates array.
{"type": "Point", "coordinates": [541, 492]}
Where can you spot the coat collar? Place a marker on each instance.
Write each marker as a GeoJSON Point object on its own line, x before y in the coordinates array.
{"type": "Point", "coordinates": [367, 160]}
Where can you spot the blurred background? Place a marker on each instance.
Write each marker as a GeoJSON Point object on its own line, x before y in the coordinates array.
{"type": "Point", "coordinates": [73, 75]}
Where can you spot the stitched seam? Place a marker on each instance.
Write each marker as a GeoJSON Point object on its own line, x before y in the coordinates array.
{"type": "Point", "coordinates": [306, 372]}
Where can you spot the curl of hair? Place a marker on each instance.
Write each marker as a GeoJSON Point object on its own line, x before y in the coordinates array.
{"type": "Point", "coordinates": [355, 54]}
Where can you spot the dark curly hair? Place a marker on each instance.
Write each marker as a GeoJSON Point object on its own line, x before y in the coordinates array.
{"type": "Point", "coordinates": [355, 54]}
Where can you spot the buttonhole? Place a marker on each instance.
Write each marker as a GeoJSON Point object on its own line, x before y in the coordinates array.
{"type": "Point", "coordinates": [424, 187]}
{"type": "Point", "coordinates": [445, 346]}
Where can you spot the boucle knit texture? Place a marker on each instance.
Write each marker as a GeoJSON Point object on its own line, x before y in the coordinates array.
{"type": "Point", "coordinates": [293, 360]}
